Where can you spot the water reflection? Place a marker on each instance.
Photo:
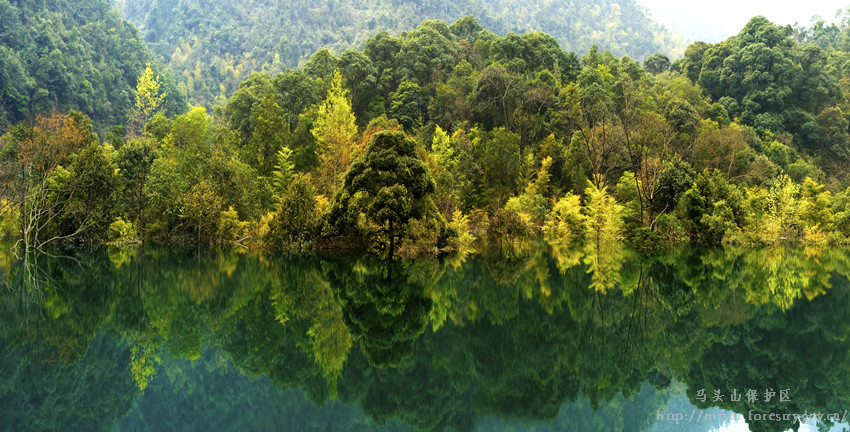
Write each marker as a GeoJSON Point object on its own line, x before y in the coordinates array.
{"type": "Point", "coordinates": [552, 338]}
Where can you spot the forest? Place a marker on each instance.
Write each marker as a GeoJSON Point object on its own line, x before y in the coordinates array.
{"type": "Point", "coordinates": [422, 142]}
{"type": "Point", "coordinates": [212, 46]}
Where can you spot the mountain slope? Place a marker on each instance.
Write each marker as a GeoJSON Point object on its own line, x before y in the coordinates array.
{"type": "Point", "coordinates": [213, 45]}
{"type": "Point", "coordinates": [59, 54]}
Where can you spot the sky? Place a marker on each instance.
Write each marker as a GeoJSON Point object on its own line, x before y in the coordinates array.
{"type": "Point", "coordinates": [725, 18]}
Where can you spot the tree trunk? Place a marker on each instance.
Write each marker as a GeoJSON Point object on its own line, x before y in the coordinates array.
{"type": "Point", "coordinates": [392, 238]}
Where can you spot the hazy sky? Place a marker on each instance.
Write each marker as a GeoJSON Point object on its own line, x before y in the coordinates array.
{"type": "Point", "coordinates": [717, 20]}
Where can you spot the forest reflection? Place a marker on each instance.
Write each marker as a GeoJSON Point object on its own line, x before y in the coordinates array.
{"type": "Point", "coordinates": [564, 338]}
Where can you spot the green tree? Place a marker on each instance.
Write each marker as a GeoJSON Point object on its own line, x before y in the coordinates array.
{"type": "Point", "coordinates": [407, 105]}
{"type": "Point", "coordinates": [201, 211]}
{"type": "Point", "coordinates": [498, 154]}
{"type": "Point", "coordinates": [296, 222]}
{"type": "Point", "coordinates": [390, 185]}
{"type": "Point", "coordinates": [603, 216]}
{"type": "Point", "coordinates": [444, 152]}
{"type": "Point", "coordinates": [91, 195]}
{"type": "Point", "coordinates": [271, 133]}
{"type": "Point", "coordinates": [657, 63]}
{"type": "Point", "coordinates": [134, 161]}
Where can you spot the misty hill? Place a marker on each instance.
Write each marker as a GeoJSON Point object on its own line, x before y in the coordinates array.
{"type": "Point", "coordinates": [213, 45]}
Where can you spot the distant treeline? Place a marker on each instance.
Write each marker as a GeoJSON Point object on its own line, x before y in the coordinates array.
{"type": "Point", "coordinates": [214, 45]}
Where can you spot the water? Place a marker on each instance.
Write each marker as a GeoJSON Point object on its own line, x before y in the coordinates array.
{"type": "Point", "coordinates": [551, 339]}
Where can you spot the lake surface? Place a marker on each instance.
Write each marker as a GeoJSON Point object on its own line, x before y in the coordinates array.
{"type": "Point", "coordinates": [553, 339]}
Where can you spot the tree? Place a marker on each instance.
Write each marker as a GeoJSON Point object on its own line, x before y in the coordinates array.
{"type": "Point", "coordinates": [271, 133]}
{"type": "Point", "coordinates": [297, 217]}
{"type": "Point", "coordinates": [239, 111]}
{"type": "Point", "coordinates": [202, 210]}
{"type": "Point", "coordinates": [444, 151]}
{"type": "Point", "coordinates": [407, 105]}
{"type": "Point", "coordinates": [427, 52]}
{"type": "Point", "coordinates": [149, 98]}
{"type": "Point", "coordinates": [390, 185]}
{"type": "Point", "coordinates": [295, 91]}
{"type": "Point", "coordinates": [36, 177]}
{"type": "Point", "coordinates": [597, 139]}
{"type": "Point", "coordinates": [466, 28]}
{"type": "Point", "coordinates": [815, 210]}
{"type": "Point", "coordinates": [604, 225]}
{"type": "Point", "coordinates": [657, 63]}
{"type": "Point", "coordinates": [361, 77]}
{"type": "Point", "coordinates": [134, 161]}
{"type": "Point", "coordinates": [496, 93]}
{"type": "Point", "coordinates": [90, 197]}
{"type": "Point", "coordinates": [499, 155]}
{"type": "Point", "coordinates": [322, 64]}
{"type": "Point", "coordinates": [335, 132]}
{"type": "Point", "coordinates": [284, 171]}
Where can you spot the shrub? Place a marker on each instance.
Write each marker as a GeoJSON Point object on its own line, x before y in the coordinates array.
{"type": "Point", "coordinates": [508, 228]}
{"type": "Point", "coordinates": [123, 233]}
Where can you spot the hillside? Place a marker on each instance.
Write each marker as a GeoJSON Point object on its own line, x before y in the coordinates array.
{"type": "Point", "coordinates": [58, 55]}
{"type": "Point", "coordinates": [213, 45]}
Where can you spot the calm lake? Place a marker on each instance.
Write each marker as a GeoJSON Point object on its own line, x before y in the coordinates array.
{"type": "Point", "coordinates": [553, 339]}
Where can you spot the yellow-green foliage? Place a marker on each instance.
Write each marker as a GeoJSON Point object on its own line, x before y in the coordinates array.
{"type": "Point", "coordinates": [229, 227]}
{"type": "Point", "coordinates": [566, 222]}
{"type": "Point", "coordinates": [10, 219]}
{"type": "Point", "coordinates": [123, 233]}
{"type": "Point", "coordinates": [770, 215]}
{"type": "Point", "coordinates": [335, 132]}
{"type": "Point", "coordinates": [202, 211]}
{"type": "Point", "coordinates": [444, 152]}
{"type": "Point", "coordinates": [603, 216]}
{"type": "Point", "coordinates": [604, 226]}
{"type": "Point", "coordinates": [540, 185]}
{"type": "Point", "coordinates": [754, 230]}
{"type": "Point", "coordinates": [149, 98]}
{"type": "Point", "coordinates": [421, 238]}
{"type": "Point", "coordinates": [143, 362]}
{"type": "Point", "coordinates": [841, 216]}
{"type": "Point", "coordinates": [283, 171]}
{"type": "Point", "coordinates": [508, 228]}
{"type": "Point", "coordinates": [462, 241]}
{"type": "Point", "coordinates": [627, 192]}
{"type": "Point", "coordinates": [296, 222]}
{"type": "Point", "coordinates": [532, 205]}
{"type": "Point", "coordinates": [783, 221]}
{"type": "Point", "coordinates": [815, 210]}
{"type": "Point", "coordinates": [786, 212]}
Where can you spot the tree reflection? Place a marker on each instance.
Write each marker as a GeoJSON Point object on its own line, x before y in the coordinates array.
{"type": "Point", "coordinates": [528, 338]}
{"type": "Point", "coordinates": [382, 308]}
